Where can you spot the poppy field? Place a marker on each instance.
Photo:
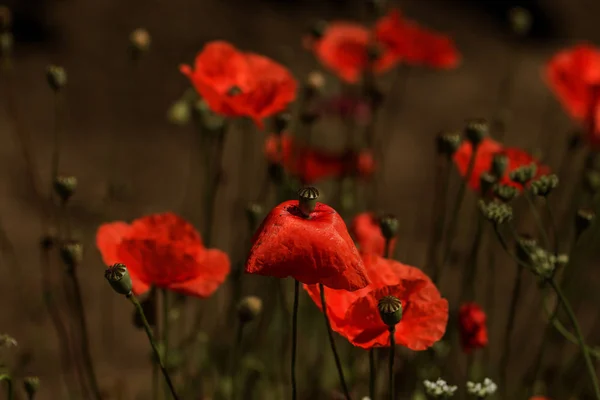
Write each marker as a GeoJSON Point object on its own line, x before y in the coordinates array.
{"type": "Point", "coordinates": [336, 254]}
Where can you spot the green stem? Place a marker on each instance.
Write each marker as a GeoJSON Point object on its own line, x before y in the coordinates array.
{"type": "Point", "coordinates": [468, 282]}
{"type": "Point", "coordinates": [152, 341]}
{"type": "Point", "coordinates": [85, 341]}
{"type": "Point", "coordinates": [580, 339]}
{"type": "Point", "coordinates": [510, 327]}
{"type": "Point", "coordinates": [213, 175]}
{"type": "Point", "coordinates": [9, 386]}
{"type": "Point", "coordinates": [336, 356]}
{"type": "Point", "coordinates": [295, 337]}
{"type": "Point", "coordinates": [538, 219]}
{"type": "Point", "coordinates": [391, 360]}
{"type": "Point", "coordinates": [372, 374]}
{"type": "Point", "coordinates": [437, 272]}
{"type": "Point", "coordinates": [439, 210]}
{"type": "Point", "coordinates": [552, 225]}
{"type": "Point", "coordinates": [234, 361]}
{"type": "Point", "coordinates": [165, 335]}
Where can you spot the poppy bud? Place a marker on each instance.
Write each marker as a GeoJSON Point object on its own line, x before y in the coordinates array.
{"type": "Point", "coordinates": [476, 130]}
{"type": "Point", "coordinates": [254, 211]}
{"type": "Point", "coordinates": [495, 211]}
{"type": "Point", "coordinates": [544, 185]}
{"type": "Point", "coordinates": [139, 42]}
{"type": "Point", "coordinates": [282, 122]}
{"type": "Point", "coordinates": [486, 182]}
{"type": "Point", "coordinates": [592, 181]}
{"type": "Point", "coordinates": [65, 186]}
{"type": "Point", "coordinates": [307, 200]}
{"type": "Point", "coordinates": [317, 30]}
{"type": "Point", "coordinates": [5, 19]}
{"type": "Point", "coordinates": [249, 308]}
{"type": "Point", "coordinates": [31, 384]}
{"type": "Point", "coordinates": [499, 165]}
{"type": "Point", "coordinates": [389, 226]}
{"type": "Point", "coordinates": [448, 143]}
{"type": "Point", "coordinates": [504, 192]}
{"type": "Point", "coordinates": [57, 77]}
{"type": "Point", "coordinates": [583, 220]}
{"type": "Point", "coordinates": [520, 20]}
{"type": "Point", "coordinates": [390, 310]}
{"type": "Point", "coordinates": [71, 253]}
{"type": "Point", "coordinates": [118, 277]}
{"type": "Point", "coordinates": [523, 174]}
{"type": "Point", "coordinates": [179, 113]}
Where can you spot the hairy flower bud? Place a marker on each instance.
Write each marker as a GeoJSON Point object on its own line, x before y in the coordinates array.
{"type": "Point", "coordinates": [544, 185]}
{"type": "Point", "coordinates": [476, 130]}
{"type": "Point", "coordinates": [65, 186]}
{"type": "Point", "coordinates": [448, 143]}
{"type": "Point", "coordinates": [390, 310]}
{"type": "Point", "coordinates": [119, 279]}
{"type": "Point", "coordinates": [249, 308]}
{"type": "Point", "coordinates": [496, 211]}
{"type": "Point", "coordinates": [57, 77]}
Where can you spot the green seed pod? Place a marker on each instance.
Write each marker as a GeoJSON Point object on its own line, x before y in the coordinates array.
{"type": "Point", "coordinates": [307, 200]}
{"type": "Point", "coordinates": [390, 310]}
{"type": "Point", "coordinates": [119, 279]}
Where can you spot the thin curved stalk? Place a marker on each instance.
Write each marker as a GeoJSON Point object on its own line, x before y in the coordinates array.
{"type": "Point", "coordinates": [295, 338]}
{"type": "Point", "coordinates": [391, 361]}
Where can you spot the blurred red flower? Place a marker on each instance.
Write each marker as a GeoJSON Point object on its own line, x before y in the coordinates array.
{"type": "Point", "coordinates": [344, 49]}
{"type": "Point", "coordinates": [486, 151]}
{"type": "Point", "coordinates": [165, 251]}
{"type": "Point", "coordinates": [574, 76]}
{"type": "Point", "coordinates": [472, 326]}
{"type": "Point", "coordinates": [355, 316]}
{"type": "Point", "coordinates": [366, 231]}
{"type": "Point", "coordinates": [311, 250]}
{"type": "Point", "coordinates": [406, 41]}
{"type": "Point", "coordinates": [310, 165]}
{"type": "Point", "coordinates": [238, 84]}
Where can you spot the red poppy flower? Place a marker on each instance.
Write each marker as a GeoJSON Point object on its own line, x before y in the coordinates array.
{"type": "Point", "coordinates": [344, 48]}
{"type": "Point", "coordinates": [574, 76]}
{"type": "Point", "coordinates": [367, 233]}
{"type": "Point", "coordinates": [166, 251]}
{"type": "Point", "coordinates": [238, 84]}
{"type": "Point", "coordinates": [473, 328]}
{"type": "Point", "coordinates": [486, 151]}
{"type": "Point", "coordinates": [355, 315]}
{"type": "Point", "coordinates": [408, 42]}
{"type": "Point", "coordinates": [311, 165]}
{"type": "Point", "coordinates": [311, 250]}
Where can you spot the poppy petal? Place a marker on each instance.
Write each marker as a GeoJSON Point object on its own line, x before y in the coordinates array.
{"type": "Point", "coordinates": [214, 267]}
{"type": "Point", "coordinates": [108, 239]}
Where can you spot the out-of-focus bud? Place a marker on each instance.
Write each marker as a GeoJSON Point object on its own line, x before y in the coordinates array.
{"type": "Point", "coordinates": [65, 186]}
{"type": "Point", "coordinates": [71, 253]}
{"type": "Point", "coordinates": [476, 130]}
{"type": "Point", "coordinates": [486, 182]}
{"type": "Point", "coordinates": [447, 143]}
{"type": "Point", "coordinates": [282, 122]}
{"type": "Point", "coordinates": [499, 165]}
{"type": "Point", "coordinates": [520, 20]}
{"type": "Point", "coordinates": [523, 174]}
{"type": "Point", "coordinates": [31, 384]}
{"type": "Point", "coordinates": [139, 42]}
{"type": "Point", "coordinates": [57, 77]}
{"type": "Point", "coordinates": [249, 308]}
{"type": "Point", "coordinates": [318, 28]}
{"type": "Point", "coordinates": [389, 226]}
{"type": "Point", "coordinates": [583, 220]}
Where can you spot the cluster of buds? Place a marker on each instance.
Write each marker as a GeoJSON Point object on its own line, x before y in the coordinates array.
{"type": "Point", "coordinates": [523, 174]}
{"type": "Point", "coordinates": [496, 212]}
{"type": "Point", "coordinates": [544, 185]}
{"type": "Point", "coordinates": [545, 263]}
{"type": "Point", "coordinates": [505, 192]}
{"type": "Point", "coordinates": [483, 389]}
{"type": "Point", "coordinates": [447, 143]}
{"type": "Point", "coordinates": [439, 389]}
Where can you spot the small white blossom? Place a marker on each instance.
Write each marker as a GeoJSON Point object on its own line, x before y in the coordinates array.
{"type": "Point", "coordinates": [482, 389]}
{"type": "Point", "coordinates": [439, 388]}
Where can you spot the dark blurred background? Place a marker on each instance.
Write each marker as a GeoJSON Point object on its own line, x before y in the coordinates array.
{"type": "Point", "coordinates": [130, 160]}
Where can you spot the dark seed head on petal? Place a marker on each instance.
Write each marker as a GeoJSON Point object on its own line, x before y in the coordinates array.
{"type": "Point", "coordinates": [390, 310]}
{"type": "Point", "coordinates": [119, 279]}
{"type": "Point", "coordinates": [307, 199]}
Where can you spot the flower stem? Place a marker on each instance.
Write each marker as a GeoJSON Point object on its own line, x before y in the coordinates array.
{"type": "Point", "coordinates": [152, 340]}
{"type": "Point", "coordinates": [9, 386]}
{"type": "Point", "coordinates": [165, 335]}
{"type": "Point", "coordinates": [391, 361]}
{"type": "Point", "coordinates": [338, 362]}
{"type": "Point", "coordinates": [235, 350]}
{"type": "Point", "coordinates": [439, 209]}
{"type": "Point", "coordinates": [213, 181]}
{"type": "Point", "coordinates": [85, 341]}
{"type": "Point", "coordinates": [510, 327]}
{"type": "Point", "coordinates": [538, 219]}
{"type": "Point", "coordinates": [295, 337]}
{"type": "Point", "coordinates": [468, 281]}
{"type": "Point", "coordinates": [451, 233]}
{"type": "Point", "coordinates": [372, 374]}
{"type": "Point", "coordinates": [586, 355]}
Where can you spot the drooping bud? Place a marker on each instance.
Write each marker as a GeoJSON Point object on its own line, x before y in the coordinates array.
{"type": "Point", "coordinates": [390, 310]}
{"type": "Point", "coordinates": [476, 130]}
{"type": "Point", "coordinates": [254, 212]}
{"type": "Point", "coordinates": [282, 122]}
{"type": "Point", "coordinates": [499, 165]}
{"type": "Point", "coordinates": [31, 384]}
{"type": "Point", "coordinates": [389, 226]}
{"type": "Point", "coordinates": [139, 42]}
{"type": "Point", "coordinates": [65, 186]}
{"type": "Point", "coordinates": [583, 220]}
{"type": "Point", "coordinates": [496, 211]}
{"type": "Point", "coordinates": [307, 200]}
{"type": "Point", "coordinates": [448, 143]}
{"type": "Point", "coordinates": [249, 308]}
{"type": "Point", "coordinates": [71, 253]}
{"type": "Point", "coordinates": [504, 192]}
{"type": "Point", "coordinates": [57, 77]}
{"type": "Point", "coordinates": [544, 185]}
{"type": "Point", "coordinates": [523, 174]}
{"type": "Point", "coordinates": [520, 20]}
{"type": "Point", "coordinates": [119, 279]}
{"type": "Point", "coordinates": [486, 182]}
